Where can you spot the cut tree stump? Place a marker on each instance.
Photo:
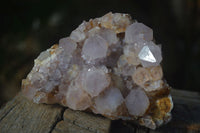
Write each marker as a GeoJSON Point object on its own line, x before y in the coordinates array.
{"type": "Point", "coordinates": [23, 116]}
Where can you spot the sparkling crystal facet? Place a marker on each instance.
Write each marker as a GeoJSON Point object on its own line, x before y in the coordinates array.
{"type": "Point", "coordinates": [146, 55]}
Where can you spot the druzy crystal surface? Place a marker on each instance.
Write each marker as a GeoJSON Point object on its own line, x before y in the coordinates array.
{"type": "Point", "coordinates": [110, 66]}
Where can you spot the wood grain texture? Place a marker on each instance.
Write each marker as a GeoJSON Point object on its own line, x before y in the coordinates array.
{"type": "Point", "coordinates": [23, 116]}
{"type": "Point", "coordinates": [67, 127]}
{"type": "Point", "coordinates": [82, 122]}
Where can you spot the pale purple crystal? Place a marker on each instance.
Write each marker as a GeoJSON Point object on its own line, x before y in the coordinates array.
{"type": "Point", "coordinates": [137, 32]}
{"type": "Point", "coordinates": [137, 102]}
{"type": "Point", "coordinates": [95, 81]}
{"type": "Point", "coordinates": [94, 47]}
{"type": "Point", "coordinates": [68, 45]}
{"type": "Point", "coordinates": [108, 102]}
{"type": "Point", "coordinates": [109, 35]}
{"type": "Point", "coordinates": [77, 99]}
{"type": "Point", "coordinates": [78, 34]}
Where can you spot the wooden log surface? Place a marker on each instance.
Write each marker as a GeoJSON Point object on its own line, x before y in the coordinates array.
{"type": "Point", "coordinates": [23, 116]}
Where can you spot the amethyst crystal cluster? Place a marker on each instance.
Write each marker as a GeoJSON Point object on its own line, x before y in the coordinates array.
{"type": "Point", "coordinates": [110, 66]}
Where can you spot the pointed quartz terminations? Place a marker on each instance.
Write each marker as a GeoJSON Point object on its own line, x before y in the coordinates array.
{"type": "Point", "coordinates": [110, 66]}
{"type": "Point", "coordinates": [108, 102]}
{"type": "Point", "coordinates": [150, 55]}
{"type": "Point", "coordinates": [94, 47]}
{"type": "Point", "coordinates": [138, 32]}
{"type": "Point", "coordinates": [95, 81]}
{"type": "Point", "coordinates": [132, 102]}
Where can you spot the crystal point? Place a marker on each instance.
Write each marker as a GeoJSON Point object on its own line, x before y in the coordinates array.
{"type": "Point", "coordinates": [134, 97]}
{"type": "Point", "coordinates": [137, 32]}
{"type": "Point", "coordinates": [94, 47]}
{"type": "Point", "coordinates": [146, 55]}
{"type": "Point", "coordinates": [150, 55]}
{"type": "Point", "coordinates": [108, 102]}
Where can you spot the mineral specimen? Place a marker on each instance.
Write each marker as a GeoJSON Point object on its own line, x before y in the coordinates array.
{"type": "Point", "coordinates": [110, 66]}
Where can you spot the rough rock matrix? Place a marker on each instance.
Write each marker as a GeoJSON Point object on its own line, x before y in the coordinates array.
{"type": "Point", "coordinates": [110, 66]}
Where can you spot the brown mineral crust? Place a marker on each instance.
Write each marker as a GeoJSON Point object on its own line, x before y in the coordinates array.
{"type": "Point", "coordinates": [111, 21]}
{"type": "Point", "coordinates": [121, 35]}
{"type": "Point", "coordinates": [160, 108]}
{"type": "Point", "coordinates": [157, 115]}
{"type": "Point", "coordinates": [154, 96]}
{"type": "Point", "coordinates": [52, 98]}
{"type": "Point", "coordinates": [163, 106]}
{"type": "Point", "coordinates": [157, 94]}
{"type": "Point", "coordinates": [52, 49]}
{"type": "Point", "coordinates": [55, 46]}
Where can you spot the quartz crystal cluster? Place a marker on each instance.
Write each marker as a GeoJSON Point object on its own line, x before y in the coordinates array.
{"type": "Point", "coordinates": [108, 65]}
